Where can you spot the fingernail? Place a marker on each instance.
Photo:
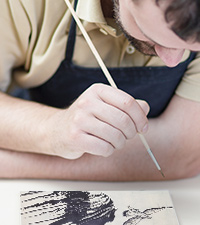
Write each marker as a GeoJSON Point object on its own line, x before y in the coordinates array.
{"type": "Point", "coordinates": [145, 128]}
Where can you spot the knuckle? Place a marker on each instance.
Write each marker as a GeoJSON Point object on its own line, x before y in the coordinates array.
{"type": "Point", "coordinates": [119, 140]}
{"type": "Point", "coordinates": [78, 118]}
{"type": "Point", "coordinates": [125, 120]}
{"type": "Point", "coordinates": [128, 102]}
{"type": "Point", "coordinates": [142, 126]}
{"type": "Point", "coordinates": [97, 87]}
{"type": "Point", "coordinates": [74, 134]}
{"type": "Point", "coordinates": [127, 125]}
{"type": "Point", "coordinates": [83, 103]}
{"type": "Point", "coordinates": [131, 132]}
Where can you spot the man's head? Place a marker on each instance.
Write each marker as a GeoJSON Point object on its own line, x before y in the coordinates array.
{"type": "Point", "coordinates": [184, 18]}
{"type": "Point", "coordinates": [160, 27]}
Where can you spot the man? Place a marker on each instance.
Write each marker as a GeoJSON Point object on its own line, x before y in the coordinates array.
{"type": "Point", "coordinates": [89, 132]}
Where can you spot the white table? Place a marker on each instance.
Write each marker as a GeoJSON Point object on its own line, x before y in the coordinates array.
{"type": "Point", "coordinates": [185, 195]}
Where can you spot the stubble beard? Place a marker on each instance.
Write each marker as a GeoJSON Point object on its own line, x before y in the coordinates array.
{"type": "Point", "coordinates": [142, 46]}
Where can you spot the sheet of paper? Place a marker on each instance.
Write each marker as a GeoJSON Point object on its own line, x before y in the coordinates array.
{"type": "Point", "coordinates": [97, 208]}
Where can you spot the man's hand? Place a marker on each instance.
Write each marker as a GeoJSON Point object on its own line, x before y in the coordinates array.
{"type": "Point", "coordinates": [98, 122]}
{"type": "Point", "coordinates": [173, 138]}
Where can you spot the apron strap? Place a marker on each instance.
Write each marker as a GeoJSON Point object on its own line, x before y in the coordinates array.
{"type": "Point", "coordinates": [71, 38]}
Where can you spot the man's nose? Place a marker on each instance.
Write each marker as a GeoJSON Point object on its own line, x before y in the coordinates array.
{"type": "Point", "coordinates": [170, 56]}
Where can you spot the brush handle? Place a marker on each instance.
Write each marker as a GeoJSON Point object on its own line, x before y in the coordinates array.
{"type": "Point", "coordinates": [91, 45]}
{"type": "Point", "coordinates": [105, 71]}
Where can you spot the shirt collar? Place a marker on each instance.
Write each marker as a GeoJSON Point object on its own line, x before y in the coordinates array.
{"type": "Point", "coordinates": [91, 11]}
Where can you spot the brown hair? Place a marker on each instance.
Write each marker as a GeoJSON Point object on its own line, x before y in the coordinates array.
{"type": "Point", "coordinates": [184, 18]}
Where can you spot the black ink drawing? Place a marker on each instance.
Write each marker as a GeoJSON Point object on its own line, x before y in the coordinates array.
{"type": "Point", "coordinates": [97, 208]}
{"type": "Point", "coordinates": [67, 207]}
{"type": "Point", "coordinates": [137, 215]}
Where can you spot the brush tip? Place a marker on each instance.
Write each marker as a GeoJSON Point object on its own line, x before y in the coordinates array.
{"type": "Point", "coordinates": [162, 173]}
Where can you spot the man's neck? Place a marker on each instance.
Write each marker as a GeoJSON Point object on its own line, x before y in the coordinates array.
{"type": "Point", "coordinates": [107, 7]}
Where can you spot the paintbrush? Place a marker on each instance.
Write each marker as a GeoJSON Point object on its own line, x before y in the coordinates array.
{"type": "Point", "coordinates": [107, 74]}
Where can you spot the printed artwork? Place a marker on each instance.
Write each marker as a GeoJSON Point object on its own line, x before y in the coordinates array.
{"type": "Point", "coordinates": [97, 208]}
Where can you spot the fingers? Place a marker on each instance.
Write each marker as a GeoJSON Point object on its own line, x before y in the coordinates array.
{"type": "Point", "coordinates": [101, 120]}
{"type": "Point", "coordinates": [115, 118]}
{"type": "Point", "coordinates": [89, 134]}
{"type": "Point", "coordinates": [105, 132]}
{"type": "Point", "coordinates": [96, 146]}
{"type": "Point", "coordinates": [125, 103]}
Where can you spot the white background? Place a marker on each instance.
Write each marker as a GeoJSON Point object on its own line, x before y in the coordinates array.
{"type": "Point", "coordinates": [185, 195]}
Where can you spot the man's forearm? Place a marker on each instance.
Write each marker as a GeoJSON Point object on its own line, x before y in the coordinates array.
{"type": "Point", "coordinates": [174, 142]}
{"type": "Point", "coordinates": [118, 167]}
{"type": "Point", "coordinates": [126, 165]}
{"type": "Point", "coordinates": [100, 120]}
{"type": "Point", "coordinates": [22, 125]}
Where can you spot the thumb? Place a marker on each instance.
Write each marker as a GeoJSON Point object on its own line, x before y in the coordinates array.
{"type": "Point", "coordinates": [144, 105]}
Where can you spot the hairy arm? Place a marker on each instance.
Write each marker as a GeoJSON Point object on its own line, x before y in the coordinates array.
{"type": "Point", "coordinates": [173, 138]}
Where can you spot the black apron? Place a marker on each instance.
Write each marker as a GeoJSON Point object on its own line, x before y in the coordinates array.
{"type": "Point", "coordinates": [156, 85]}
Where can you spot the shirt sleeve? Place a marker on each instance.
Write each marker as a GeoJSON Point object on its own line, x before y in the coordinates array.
{"type": "Point", "coordinates": [33, 34]}
{"type": "Point", "coordinates": [189, 87]}
{"type": "Point", "coordinates": [13, 41]}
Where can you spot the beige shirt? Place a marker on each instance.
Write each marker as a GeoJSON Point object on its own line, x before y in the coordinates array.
{"type": "Point", "coordinates": [33, 43]}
